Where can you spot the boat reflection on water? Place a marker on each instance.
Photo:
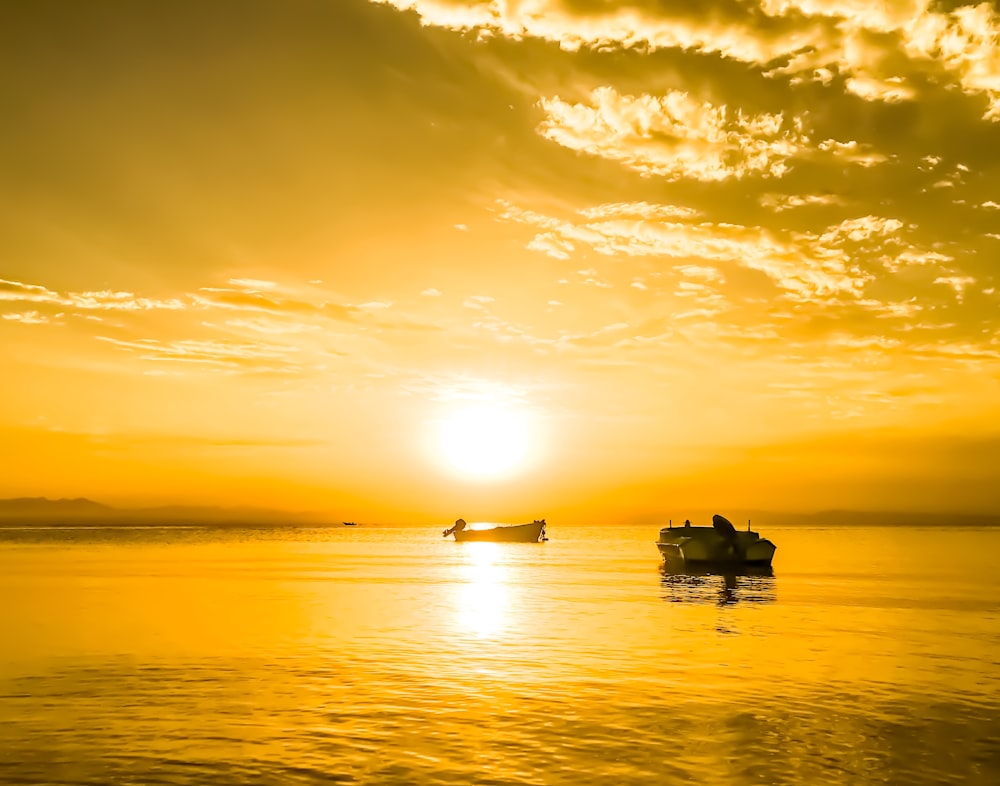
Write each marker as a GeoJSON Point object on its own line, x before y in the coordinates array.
{"type": "Point", "coordinates": [687, 584]}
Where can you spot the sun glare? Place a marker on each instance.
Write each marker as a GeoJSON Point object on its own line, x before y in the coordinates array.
{"type": "Point", "coordinates": [485, 442]}
{"type": "Point", "coordinates": [483, 601]}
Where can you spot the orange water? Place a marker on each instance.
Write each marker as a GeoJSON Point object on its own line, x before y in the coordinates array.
{"type": "Point", "coordinates": [381, 655]}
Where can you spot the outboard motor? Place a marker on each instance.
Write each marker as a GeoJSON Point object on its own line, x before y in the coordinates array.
{"type": "Point", "coordinates": [459, 526]}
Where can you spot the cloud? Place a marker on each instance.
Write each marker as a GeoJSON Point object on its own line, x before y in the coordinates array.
{"type": "Point", "coordinates": [27, 318]}
{"type": "Point", "coordinates": [904, 310]}
{"type": "Point", "coordinates": [973, 354]}
{"type": "Point", "coordinates": [852, 152]}
{"type": "Point", "coordinates": [710, 301]}
{"type": "Point", "coordinates": [477, 302]}
{"type": "Point", "coordinates": [913, 257]}
{"type": "Point", "coordinates": [781, 202]}
{"type": "Point", "coordinates": [94, 300]}
{"type": "Point", "coordinates": [243, 295]}
{"type": "Point", "coordinates": [890, 90]}
{"type": "Point", "coordinates": [870, 49]}
{"type": "Point", "coordinates": [642, 210]}
{"type": "Point", "coordinates": [227, 356]}
{"type": "Point", "coordinates": [15, 291]}
{"type": "Point", "coordinates": [467, 389]}
{"type": "Point", "coordinates": [552, 245]}
{"type": "Point", "coordinates": [251, 299]}
{"type": "Point", "coordinates": [216, 328]}
{"type": "Point", "coordinates": [804, 266]}
{"type": "Point", "coordinates": [253, 283]}
{"type": "Point", "coordinates": [957, 283]}
{"type": "Point", "coordinates": [863, 228]}
{"type": "Point", "coordinates": [706, 27]}
{"type": "Point", "coordinates": [700, 272]}
{"type": "Point", "coordinates": [674, 136]}
{"type": "Point", "coordinates": [966, 43]}
{"type": "Point", "coordinates": [590, 278]}
{"type": "Point", "coordinates": [268, 326]}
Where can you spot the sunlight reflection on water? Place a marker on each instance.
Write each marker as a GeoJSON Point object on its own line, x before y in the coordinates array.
{"type": "Point", "coordinates": [483, 599]}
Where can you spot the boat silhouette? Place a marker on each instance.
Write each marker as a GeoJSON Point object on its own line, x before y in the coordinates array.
{"type": "Point", "coordinates": [514, 533]}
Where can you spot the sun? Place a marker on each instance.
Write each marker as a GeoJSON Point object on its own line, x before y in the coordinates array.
{"type": "Point", "coordinates": [485, 441]}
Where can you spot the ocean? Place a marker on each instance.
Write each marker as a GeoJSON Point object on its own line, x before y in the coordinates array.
{"type": "Point", "coordinates": [381, 655]}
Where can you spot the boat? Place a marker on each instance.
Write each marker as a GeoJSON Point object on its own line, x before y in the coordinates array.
{"type": "Point", "coordinates": [350, 524]}
{"type": "Point", "coordinates": [719, 545]}
{"type": "Point", "coordinates": [513, 533]}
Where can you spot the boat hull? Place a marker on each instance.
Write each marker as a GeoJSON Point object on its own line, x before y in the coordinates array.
{"type": "Point", "coordinates": [519, 533]}
{"type": "Point", "coordinates": [706, 546]}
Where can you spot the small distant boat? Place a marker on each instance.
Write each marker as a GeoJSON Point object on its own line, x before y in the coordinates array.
{"type": "Point", "coordinates": [350, 524]}
{"type": "Point", "coordinates": [515, 533]}
{"type": "Point", "coordinates": [721, 545]}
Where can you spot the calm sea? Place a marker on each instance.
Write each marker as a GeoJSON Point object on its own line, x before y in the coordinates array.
{"type": "Point", "coordinates": [390, 656]}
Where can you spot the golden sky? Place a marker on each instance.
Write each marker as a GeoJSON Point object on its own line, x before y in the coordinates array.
{"type": "Point", "coordinates": [415, 259]}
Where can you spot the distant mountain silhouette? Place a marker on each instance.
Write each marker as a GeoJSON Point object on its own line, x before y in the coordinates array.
{"type": "Point", "coordinates": [40, 510]}
{"type": "Point", "coordinates": [867, 518]}
{"type": "Point", "coordinates": [34, 507]}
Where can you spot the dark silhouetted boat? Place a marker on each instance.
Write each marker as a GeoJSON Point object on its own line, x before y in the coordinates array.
{"type": "Point", "coordinates": [350, 524]}
{"type": "Point", "coordinates": [721, 544]}
{"type": "Point", "coordinates": [515, 533]}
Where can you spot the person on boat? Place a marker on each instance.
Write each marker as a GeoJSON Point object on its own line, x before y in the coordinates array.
{"type": "Point", "coordinates": [726, 529]}
{"type": "Point", "coordinates": [459, 526]}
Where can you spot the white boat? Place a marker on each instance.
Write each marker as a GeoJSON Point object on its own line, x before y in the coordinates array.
{"type": "Point", "coordinates": [516, 533]}
{"type": "Point", "coordinates": [720, 544]}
